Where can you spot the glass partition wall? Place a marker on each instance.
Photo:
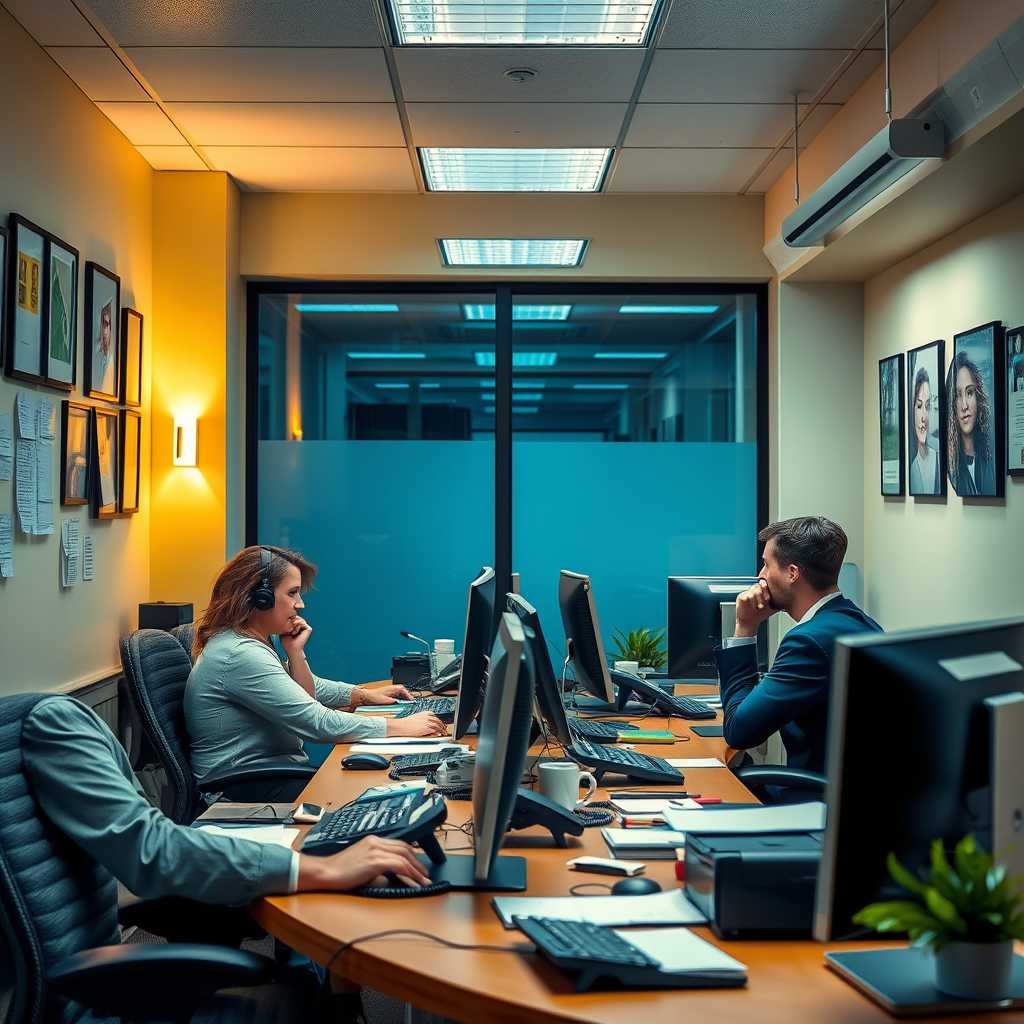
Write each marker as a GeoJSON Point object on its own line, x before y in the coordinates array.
{"type": "Point", "coordinates": [402, 438]}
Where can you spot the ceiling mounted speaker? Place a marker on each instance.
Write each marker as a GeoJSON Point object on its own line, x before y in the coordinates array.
{"type": "Point", "coordinates": [520, 74]}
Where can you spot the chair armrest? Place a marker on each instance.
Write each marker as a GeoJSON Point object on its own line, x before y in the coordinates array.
{"type": "Point", "coordinates": [779, 775]}
{"type": "Point", "coordinates": [135, 981]}
{"type": "Point", "coordinates": [260, 773]}
{"type": "Point", "coordinates": [183, 920]}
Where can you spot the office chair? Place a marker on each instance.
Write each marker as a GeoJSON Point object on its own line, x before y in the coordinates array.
{"type": "Point", "coordinates": [60, 920]}
{"type": "Point", "coordinates": [156, 667]}
{"type": "Point", "coordinates": [778, 784]}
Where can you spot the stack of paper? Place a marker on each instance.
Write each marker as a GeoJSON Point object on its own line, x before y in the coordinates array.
{"type": "Point", "coordinates": [664, 908]}
{"type": "Point", "coordinates": [645, 843]}
{"type": "Point", "coordinates": [679, 951]}
{"type": "Point", "coordinates": [276, 835]}
{"type": "Point", "coordinates": [809, 817]}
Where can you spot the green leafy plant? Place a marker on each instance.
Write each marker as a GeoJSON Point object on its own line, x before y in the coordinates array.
{"type": "Point", "coordinates": [970, 900]}
{"type": "Point", "coordinates": [641, 646]}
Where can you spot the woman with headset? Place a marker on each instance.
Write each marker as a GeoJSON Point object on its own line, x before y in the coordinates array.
{"type": "Point", "coordinates": [242, 706]}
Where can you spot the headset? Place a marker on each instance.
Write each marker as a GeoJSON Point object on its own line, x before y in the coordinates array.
{"type": "Point", "coordinates": [261, 597]}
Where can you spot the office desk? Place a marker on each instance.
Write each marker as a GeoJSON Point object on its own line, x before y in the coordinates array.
{"type": "Point", "coordinates": [787, 980]}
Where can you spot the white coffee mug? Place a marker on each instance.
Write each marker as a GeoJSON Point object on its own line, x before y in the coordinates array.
{"type": "Point", "coordinates": [560, 782]}
{"type": "Point", "coordinates": [628, 666]}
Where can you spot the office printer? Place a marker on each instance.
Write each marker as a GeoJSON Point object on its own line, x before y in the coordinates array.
{"type": "Point", "coordinates": [754, 886]}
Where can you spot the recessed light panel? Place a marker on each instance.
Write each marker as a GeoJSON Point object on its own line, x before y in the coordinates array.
{"type": "Point", "coordinates": [630, 355]}
{"type": "Point", "coordinates": [387, 355]}
{"type": "Point", "coordinates": [512, 252]}
{"type": "Point", "coordinates": [489, 409]}
{"type": "Point", "coordinates": [669, 310]}
{"type": "Point", "coordinates": [597, 387]}
{"type": "Point", "coordinates": [519, 358]}
{"type": "Point", "coordinates": [514, 170]}
{"type": "Point", "coordinates": [483, 311]}
{"type": "Point", "coordinates": [346, 307]}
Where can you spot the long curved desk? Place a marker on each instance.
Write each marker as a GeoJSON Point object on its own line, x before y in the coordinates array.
{"type": "Point", "coordinates": [787, 980]}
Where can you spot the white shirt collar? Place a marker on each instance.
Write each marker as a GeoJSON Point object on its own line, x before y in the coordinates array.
{"type": "Point", "coordinates": [813, 610]}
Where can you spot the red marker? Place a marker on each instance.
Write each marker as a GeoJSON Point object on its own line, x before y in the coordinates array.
{"type": "Point", "coordinates": [707, 799]}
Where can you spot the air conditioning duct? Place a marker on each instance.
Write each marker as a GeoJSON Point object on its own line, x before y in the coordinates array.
{"type": "Point", "coordinates": [899, 147]}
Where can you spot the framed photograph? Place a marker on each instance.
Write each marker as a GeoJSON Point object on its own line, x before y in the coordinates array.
{"type": "Point", "coordinates": [24, 356]}
{"type": "Point", "coordinates": [4, 239]}
{"type": "Point", "coordinates": [890, 422]}
{"type": "Point", "coordinates": [1015, 401]}
{"type": "Point", "coordinates": [102, 330]}
{"type": "Point", "coordinates": [129, 448]}
{"type": "Point", "coordinates": [60, 315]}
{"type": "Point", "coordinates": [926, 420]}
{"type": "Point", "coordinates": [976, 415]}
{"type": "Point", "coordinates": [105, 462]}
{"type": "Point", "coordinates": [75, 449]}
{"type": "Point", "coordinates": [131, 357]}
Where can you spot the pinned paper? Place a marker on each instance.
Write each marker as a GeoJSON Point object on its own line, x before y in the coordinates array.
{"type": "Point", "coordinates": [6, 546]}
{"type": "Point", "coordinates": [25, 484]}
{"type": "Point", "coordinates": [87, 559]}
{"type": "Point", "coordinates": [27, 407]}
{"type": "Point", "coordinates": [6, 446]}
{"type": "Point", "coordinates": [70, 552]}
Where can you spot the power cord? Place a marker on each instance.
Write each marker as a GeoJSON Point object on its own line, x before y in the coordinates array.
{"type": "Point", "coordinates": [575, 890]}
{"type": "Point", "coordinates": [392, 932]}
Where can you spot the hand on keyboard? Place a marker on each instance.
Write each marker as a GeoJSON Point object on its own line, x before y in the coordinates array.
{"type": "Point", "coordinates": [423, 724]}
{"type": "Point", "coordinates": [368, 862]}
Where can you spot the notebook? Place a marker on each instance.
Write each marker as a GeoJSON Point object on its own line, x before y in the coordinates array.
{"type": "Point", "coordinates": [808, 817]}
{"type": "Point", "coordinates": [643, 843]}
{"type": "Point", "coordinates": [679, 951]}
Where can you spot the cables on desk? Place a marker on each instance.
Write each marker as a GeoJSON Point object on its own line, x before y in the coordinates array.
{"type": "Point", "coordinates": [393, 932]}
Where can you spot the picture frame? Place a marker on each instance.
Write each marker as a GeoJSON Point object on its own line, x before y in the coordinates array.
{"type": "Point", "coordinates": [976, 449]}
{"type": "Point", "coordinates": [102, 333]}
{"type": "Point", "coordinates": [59, 363]}
{"type": "Point", "coordinates": [129, 449]}
{"type": "Point", "coordinates": [131, 357]}
{"type": "Point", "coordinates": [75, 452]}
{"type": "Point", "coordinates": [23, 356]}
{"type": "Point", "coordinates": [1015, 401]}
{"type": "Point", "coordinates": [891, 386]}
{"type": "Point", "coordinates": [105, 443]}
{"type": "Point", "coordinates": [925, 419]}
{"type": "Point", "coordinates": [4, 243]}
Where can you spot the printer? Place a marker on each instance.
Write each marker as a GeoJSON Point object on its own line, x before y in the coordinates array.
{"type": "Point", "coordinates": [754, 886]}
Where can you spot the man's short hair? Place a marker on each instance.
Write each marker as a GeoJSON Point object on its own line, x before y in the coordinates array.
{"type": "Point", "coordinates": [814, 544]}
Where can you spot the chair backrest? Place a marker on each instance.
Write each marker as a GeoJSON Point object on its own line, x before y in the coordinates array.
{"type": "Point", "coordinates": [185, 634]}
{"type": "Point", "coordinates": [156, 669]}
{"type": "Point", "coordinates": [54, 900]}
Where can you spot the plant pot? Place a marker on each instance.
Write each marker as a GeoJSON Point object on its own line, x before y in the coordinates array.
{"type": "Point", "coordinates": [975, 970]}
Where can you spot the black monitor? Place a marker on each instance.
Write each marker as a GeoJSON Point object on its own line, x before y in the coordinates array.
{"type": "Point", "coordinates": [925, 729]}
{"type": "Point", "coordinates": [583, 634]}
{"type": "Point", "coordinates": [475, 644]}
{"type": "Point", "coordinates": [701, 609]}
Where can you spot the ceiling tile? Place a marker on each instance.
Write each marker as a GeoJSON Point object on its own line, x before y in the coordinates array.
{"type": "Point", "coordinates": [269, 73]}
{"type": "Point", "coordinates": [298, 169]}
{"type": "Point", "coordinates": [684, 170]}
{"type": "Point", "coordinates": [772, 171]}
{"type": "Point", "coordinates": [98, 73]}
{"type": "Point", "coordinates": [555, 125]}
{"type": "Point", "coordinates": [903, 19]}
{"type": "Point", "coordinates": [172, 158]}
{"type": "Point", "coordinates": [720, 124]}
{"type": "Point", "coordinates": [854, 77]}
{"type": "Point", "coordinates": [438, 74]}
{"type": "Point", "coordinates": [54, 23]}
{"type": "Point", "coordinates": [738, 76]}
{"type": "Point", "coordinates": [240, 22]}
{"type": "Point", "coordinates": [290, 124]}
{"type": "Point", "coordinates": [143, 124]}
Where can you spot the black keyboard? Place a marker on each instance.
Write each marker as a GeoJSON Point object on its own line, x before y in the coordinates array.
{"type": "Point", "coordinates": [687, 707]}
{"type": "Point", "coordinates": [601, 731]}
{"type": "Point", "coordinates": [603, 759]}
{"type": "Point", "coordinates": [443, 707]}
{"type": "Point", "coordinates": [420, 764]}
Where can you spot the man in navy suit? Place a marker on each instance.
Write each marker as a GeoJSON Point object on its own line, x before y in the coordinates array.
{"type": "Point", "coordinates": [800, 575]}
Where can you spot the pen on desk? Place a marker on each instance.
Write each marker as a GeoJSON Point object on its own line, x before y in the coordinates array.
{"type": "Point", "coordinates": [667, 794]}
{"type": "Point", "coordinates": [629, 821]}
{"type": "Point", "coordinates": [707, 799]}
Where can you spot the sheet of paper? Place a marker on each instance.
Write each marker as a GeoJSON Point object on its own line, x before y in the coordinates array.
{"type": "Point", "coordinates": [6, 446]}
{"type": "Point", "coordinates": [643, 838]}
{"type": "Point", "coordinates": [87, 559]}
{"type": "Point", "coordinates": [71, 552]}
{"type": "Point", "coordinates": [44, 487]}
{"type": "Point", "coordinates": [276, 835]}
{"type": "Point", "coordinates": [383, 749]}
{"type": "Point", "coordinates": [46, 418]}
{"type": "Point", "coordinates": [6, 546]}
{"type": "Point", "coordinates": [663, 908]}
{"type": "Point", "coordinates": [679, 951]}
{"type": "Point", "coordinates": [695, 762]}
{"type": "Point", "coordinates": [808, 817]}
{"type": "Point", "coordinates": [27, 407]}
{"type": "Point", "coordinates": [25, 484]}
{"type": "Point", "coordinates": [642, 807]}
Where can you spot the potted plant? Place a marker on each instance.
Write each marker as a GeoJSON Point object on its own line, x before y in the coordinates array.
{"type": "Point", "coordinates": [641, 646]}
{"type": "Point", "coordinates": [968, 913]}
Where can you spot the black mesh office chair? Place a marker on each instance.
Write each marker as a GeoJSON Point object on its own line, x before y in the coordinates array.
{"type": "Point", "coordinates": [775, 783]}
{"type": "Point", "coordinates": [59, 914]}
{"type": "Point", "coordinates": [156, 667]}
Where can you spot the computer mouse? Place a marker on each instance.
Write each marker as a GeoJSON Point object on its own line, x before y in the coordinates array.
{"type": "Point", "coordinates": [638, 886]}
{"type": "Point", "coordinates": [364, 762]}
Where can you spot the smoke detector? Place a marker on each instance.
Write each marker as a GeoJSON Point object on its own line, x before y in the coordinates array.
{"type": "Point", "coordinates": [520, 75]}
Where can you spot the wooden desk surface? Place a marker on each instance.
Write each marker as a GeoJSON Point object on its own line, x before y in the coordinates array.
{"type": "Point", "coordinates": [787, 980]}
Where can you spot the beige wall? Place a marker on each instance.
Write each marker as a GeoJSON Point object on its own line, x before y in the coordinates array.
{"type": "Point", "coordinates": [934, 561]}
{"type": "Point", "coordinates": [69, 170]}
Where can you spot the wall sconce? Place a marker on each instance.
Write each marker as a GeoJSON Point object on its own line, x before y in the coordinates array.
{"type": "Point", "coordinates": [184, 451]}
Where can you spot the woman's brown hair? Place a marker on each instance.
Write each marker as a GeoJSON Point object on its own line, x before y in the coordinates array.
{"type": "Point", "coordinates": [231, 602]}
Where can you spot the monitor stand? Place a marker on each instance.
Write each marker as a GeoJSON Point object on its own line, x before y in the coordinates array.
{"type": "Point", "coordinates": [508, 874]}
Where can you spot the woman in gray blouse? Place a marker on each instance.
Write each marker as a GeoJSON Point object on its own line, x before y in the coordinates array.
{"type": "Point", "coordinates": [242, 706]}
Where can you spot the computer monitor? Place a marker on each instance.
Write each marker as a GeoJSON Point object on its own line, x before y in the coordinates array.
{"type": "Point", "coordinates": [925, 729]}
{"type": "Point", "coordinates": [583, 634]}
{"type": "Point", "coordinates": [475, 644]}
{"type": "Point", "coordinates": [701, 609]}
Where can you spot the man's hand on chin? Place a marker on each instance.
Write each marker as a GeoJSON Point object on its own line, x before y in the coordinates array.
{"type": "Point", "coordinates": [753, 607]}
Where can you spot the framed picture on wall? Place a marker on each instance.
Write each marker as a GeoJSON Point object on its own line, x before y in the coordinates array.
{"type": "Point", "coordinates": [60, 315]}
{"type": "Point", "coordinates": [102, 330]}
{"type": "Point", "coordinates": [129, 448]}
{"type": "Point", "coordinates": [105, 475]}
{"type": "Point", "coordinates": [131, 357]}
{"type": "Point", "coordinates": [4, 239]}
{"type": "Point", "coordinates": [1015, 401]}
{"type": "Point", "coordinates": [890, 423]}
{"type": "Point", "coordinates": [24, 355]}
{"type": "Point", "coordinates": [926, 420]}
{"type": "Point", "coordinates": [75, 450]}
{"type": "Point", "coordinates": [976, 416]}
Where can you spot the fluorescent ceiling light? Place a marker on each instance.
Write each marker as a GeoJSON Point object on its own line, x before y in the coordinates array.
{"type": "Point", "coordinates": [424, 387]}
{"type": "Point", "coordinates": [512, 252]}
{"type": "Point", "coordinates": [522, 396]}
{"type": "Point", "coordinates": [391, 386]}
{"type": "Point", "coordinates": [522, 22]}
{"type": "Point", "coordinates": [482, 311]}
{"type": "Point", "coordinates": [600, 387]}
{"type": "Point", "coordinates": [386, 355]}
{"type": "Point", "coordinates": [518, 359]}
{"type": "Point", "coordinates": [517, 385]}
{"type": "Point", "coordinates": [489, 409]}
{"type": "Point", "coordinates": [514, 170]}
{"type": "Point", "coordinates": [669, 310]}
{"type": "Point", "coordinates": [346, 307]}
{"type": "Point", "coordinates": [630, 355]}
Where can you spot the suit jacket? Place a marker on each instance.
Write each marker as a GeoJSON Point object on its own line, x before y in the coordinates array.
{"type": "Point", "coordinates": [793, 697]}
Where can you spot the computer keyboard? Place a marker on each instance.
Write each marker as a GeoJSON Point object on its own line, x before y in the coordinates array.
{"type": "Point", "coordinates": [443, 707]}
{"type": "Point", "coordinates": [601, 731]}
{"type": "Point", "coordinates": [686, 707]}
{"type": "Point", "coordinates": [603, 759]}
{"type": "Point", "coordinates": [421, 764]}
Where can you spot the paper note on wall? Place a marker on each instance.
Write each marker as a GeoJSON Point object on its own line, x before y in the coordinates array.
{"type": "Point", "coordinates": [25, 483]}
{"type": "Point", "coordinates": [6, 446]}
{"type": "Point", "coordinates": [6, 546]}
{"type": "Point", "coordinates": [87, 559]}
{"type": "Point", "coordinates": [27, 407]}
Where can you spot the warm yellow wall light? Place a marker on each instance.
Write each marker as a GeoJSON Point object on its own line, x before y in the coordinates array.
{"type": "Point", "coordinates": [185, 431]}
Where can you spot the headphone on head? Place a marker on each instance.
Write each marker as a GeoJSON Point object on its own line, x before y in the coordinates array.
{"type": "Point", "coordinates": [261, 597]}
